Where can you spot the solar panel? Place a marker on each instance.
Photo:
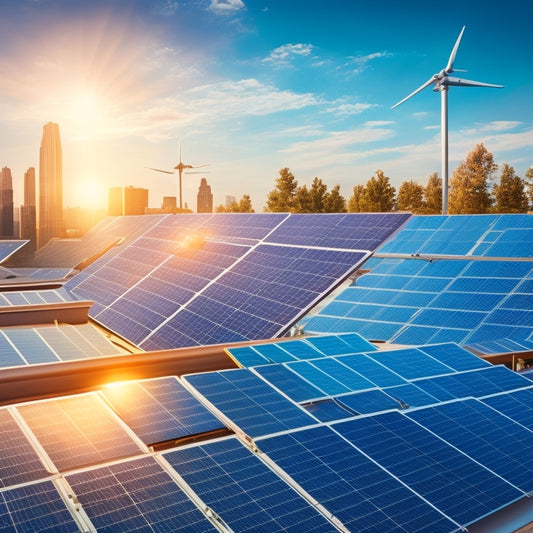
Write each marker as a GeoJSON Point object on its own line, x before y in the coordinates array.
{"type": "Point", "coordinates": [8, 354]}
{"type": "Point", "coordinates": [300, 349]}
{"type": "Point", "coordinates": [8, 248]}
{"type": "Point", "coordinates": [243, 491]}
{"type": "Point", "coordinates": [136, 495]}
{"type": "Point", "coordinates": [476, 383]}
{"type": "Point", "coordinates": [340, 344]}
{"type": "Point", "coordinates": [337, 370]}
{"type": "Point", "coordinates": [410, 363]}
{"type": "Point", "coordinates": [290, 383]}
{"type": "Point", "coordinates": [77, 431]}
{"type": "Point", "coordinates": [19, 462]}
{"type": "Point", "coordinates": [485, 435]}
{"type": "Point", "coordinates": [246, 356]}
{"type": "Point", "coordinates": [327, 410]}
{"type": "Point", "coordinates": [317, 377]}
{"type": "Point", "coordinates": [248, 402]}
{"type": "Point", "coordinates": [349, 485]}
{"type": "Point", "coordinates": [64, 348]}
{"type": "Point", "coordinates": [160, 410]}
{"type": "Point", "coordinates": [30, 345]}
{"type": "Point", "coordinates": [371, 370]}
{"type": "Point", "coordinates": [36, 507]}
{"type": "Point", "coordinates": [454, 356]}
{"type": "Point", "coordinates": [514, 404]}
{"type": "Point", "coordinates": [371, 401]}
{"type": "Point", "coordinates": [274, 353]}
{"type": "Point", "coordinates": [220, 279]}
{"type": "Point", "coordinates": [409, 395]}
{"type": "Point", "coordinates": [458, 486]}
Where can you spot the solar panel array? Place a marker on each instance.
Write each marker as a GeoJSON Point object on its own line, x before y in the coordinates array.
{"type": "Point", "coordinates": [51, 344]}
{"type": "Point", "coordinates": [435, 298]}
{"type": "Point", "coordinates": [8, 248]}
{"type": "Point", "coordinates": [208, 279]}
{"type": "Point", "coordinates": [400, 456]}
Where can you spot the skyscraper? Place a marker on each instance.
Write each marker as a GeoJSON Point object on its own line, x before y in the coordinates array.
{"type": "Point", "coordinates": [115, 202]}
{"type": "Point", "coordinates": [50, 185]}
{"type": "Point", "coordinates": [135, 200]}
{"type": "Point", "coordinates": [28, 220]}
{"type": "Point", "coordinates": [6, 204]}
{"type": "Point", "coordinates": [204, 203]}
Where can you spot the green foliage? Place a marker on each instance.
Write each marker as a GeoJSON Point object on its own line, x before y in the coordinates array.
{"type": "Point", "coordinates": [282, 198]}
{"type": "Point", "coordinates": [334, 202]}
{"type": "Point", "coordinates": [469, 186]}
{"type": "Point", "coordinates": [509, 194]}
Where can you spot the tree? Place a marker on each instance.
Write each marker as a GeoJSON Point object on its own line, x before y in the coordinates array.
{"type": "Point", "coordinates": [379, 194]}
{"type": "Point", "coordinates": [354, 202]}
{"type": "Point", "coordinates": [243, 206]}
{"type": "Point", "coordinates": [411, 197]}
{"type": "Point", "coordinates": [303, 202]}
{"type": "Point", "coordinates": [334, 202]}
{"type": "Point", "coordinates": [509, 194]}
{"type": "Point", "coordinates": [281, 198]}
{"type": "Point", "coordinates": [469, 186]}
{"type": "Point", "coordinates": [317, 194]}
{"type": "Point", "coordinates": [529, 179]}
{"type": "Point", "coordinates": [433, 195]}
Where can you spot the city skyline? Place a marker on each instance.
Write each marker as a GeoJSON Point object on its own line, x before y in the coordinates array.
{"type": "Point", "coordinates": [252, 87]}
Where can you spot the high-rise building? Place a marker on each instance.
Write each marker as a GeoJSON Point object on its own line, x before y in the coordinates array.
{"type": "Point", "coordinates": [50, 185]}
{"type": "Point", "coordinates": [135, 200]}
{"type": "Point", "coordinates": [204, 203]}
{"type": "Point", "coordinates": [28, 216]}
{"type": "Point", "coordinates": [115, 202]}
{"type": "Point", "coordinates": [230, 200]}
{"type": "Point", "coordinates": [7, 230]}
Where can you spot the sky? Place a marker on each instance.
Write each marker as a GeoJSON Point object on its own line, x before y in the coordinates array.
{"type": "Point", "coordinates": [249, 87]}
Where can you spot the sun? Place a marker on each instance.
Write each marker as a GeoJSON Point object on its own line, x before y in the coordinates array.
{"type": "Point", "coordinates": [86, 111]}
{"type": "Point", "coordinates": [91, 194]}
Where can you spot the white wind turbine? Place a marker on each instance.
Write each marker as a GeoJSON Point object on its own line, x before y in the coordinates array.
{"type": "Point", "coordinates": [442, 80]}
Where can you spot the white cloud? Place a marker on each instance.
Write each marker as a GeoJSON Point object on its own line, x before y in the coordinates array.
{"type": "Point", "coordinates": [358, 63]}
{"type": "Point", "coordinates": [283, 55]}
{"type": "Point", "coordinates": [350, 109]}
{"type": "Point", "coordinates": [226, 6]}
{"type": "Point", "coordinates": [494, 126]}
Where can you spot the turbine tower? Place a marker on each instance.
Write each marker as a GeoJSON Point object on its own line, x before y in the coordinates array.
{"type": "Point", "coordinates": [441, 81]}
{"type": "Point", "coordinates": [180, 167]}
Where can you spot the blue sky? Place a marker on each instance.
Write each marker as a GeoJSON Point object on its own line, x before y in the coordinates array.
{"type": "Point", "coordinates": [252, 86]}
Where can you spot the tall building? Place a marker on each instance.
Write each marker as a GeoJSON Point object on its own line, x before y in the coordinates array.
{"type": "Point", "coordinates": [7, 230]}
{"type": "Point", "coordinates": [115, 202]}
{"type": "Point", "coordinates": [230, 200]}
{"type": "Point", "coordinates": [50, 185]}
{"type": "Point", "coordinates": [204, 203]}
{"type": "Point", "coordinates": [135, 200]}
{"type": "Point", "coordinates": [28, 215]}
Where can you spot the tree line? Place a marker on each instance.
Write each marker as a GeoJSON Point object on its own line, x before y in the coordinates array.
{"type": "Point", "coordinates": [473, 189]}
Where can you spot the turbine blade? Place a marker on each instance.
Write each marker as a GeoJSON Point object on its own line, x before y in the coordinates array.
{"type": "Point", "coordinates": [449, 66]}
{"type": "Point", "coordinates": [200, 166]}
{"type": "Point", "coordinates": [159, 170]}
{"type": "Point", "coordinates": [421, 88]}
{"type": "Point", "coordinates": [459, 82]}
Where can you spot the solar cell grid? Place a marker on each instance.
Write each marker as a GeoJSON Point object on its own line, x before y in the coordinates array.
{"type": "Point", "coordinates": [454, 356]}
{"type": "Point", "coordinates": [458, 486]}
{"type": "Point", "coordinates": [160, 410]}
{"type": "Point", "coordinates": [255, 407]}
{"type": "Point", "coordinates": [8, 354]}
{"type": "Point", "coordinates": [371, 370]}
{"type": "Point", "coordinates": [243, 491]}
{"type": "Point", "coordinates": [136, 495]}
{"type": "Point", "coordinates": [371, 401]}
{"type": "Point", "coordinates": [514, 404]}
{"type": "Point", "coordinates": [36, 507]}
{"type": "Point", "coordinates": [349, 485]}
{"type": "Point", "coordinates": [318, 378]}
{"type": "Point", "coordinates": [485, 435]}
{"type": "Point", "coordinates": [30, 345]}
{"type": "Point", "coordinates": [77, 431]}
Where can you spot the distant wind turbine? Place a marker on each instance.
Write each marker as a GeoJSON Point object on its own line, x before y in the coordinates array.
{"type": "Point", "coordinates": [180, 167]}
{"type": "Point", "coordinates": [442, 80]}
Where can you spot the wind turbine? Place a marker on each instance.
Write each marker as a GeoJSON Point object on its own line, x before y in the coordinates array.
{"type": "Point", "coordinates": [441, 81]}
{"type": "Point", "coordinates": [181, 168]}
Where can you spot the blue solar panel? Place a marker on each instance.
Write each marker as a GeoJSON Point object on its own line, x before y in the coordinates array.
{"type": "Point", "coordinates": [19, 462]}
{"type": "Point", "coordinates": [300, 349]}
{"type": "Point", "coordinates": [246, 356]}
{"type": "Point", "coordinates": [514, 404]}
{"type": "Point", "coordinates": [290, 383]}
{"type": "Point", "coordinates": [8, 355]}
{"type": "Point", "coordinates": [274, 353]}
{"type": "Point", "coordinates": [458, 486]}
{"type": "Point", "coordinates": [410, 363]}
{"type": "Point", "coordinates": [485, 435]}
{"type": "Point", "coordinates": [349, 485]}
{"type": "Point", "coordinates": [318, 378]}
{"type": "Point", "coordinates": [160, 410]}
{"type": "Point", "coordinates": [77, 431]}
{"type": "Point", "coordinates": [30, 345]}
{"type": "Point", "coordinates": [371, 370]}
{"type": "Point", "coordinates": [409, 395]}
{"type": "Point", "coordinates": [250, 403]}
{"type": "Point", "coordinates": [371, 401]}
{"type": "Point", "coordinates": [454, 356]}
{"type": "Point", "coordinates": [343, 374]}
{"type": "Point", "coordinates": [475, 383]}
{"type": "Point", "coordinates": [243, 491]}
{"type": "Point", "coordinates": [136, 495]}
{"type": "Point", "coordinates": [328, 410]}
{"type": "Point", "coordinates": [335, 345]}
{"type": "Point", "coordinates": [36, 507]}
